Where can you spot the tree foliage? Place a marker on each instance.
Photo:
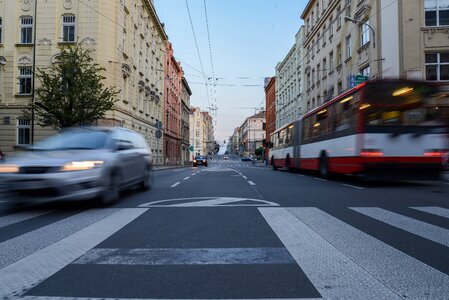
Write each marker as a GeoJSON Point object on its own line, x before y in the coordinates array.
{"type": "Point", "coordinates": [71, 92]}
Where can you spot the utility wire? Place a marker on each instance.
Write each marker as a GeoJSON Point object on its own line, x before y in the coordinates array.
{"type": "Point", "coordinates": [198, 51]}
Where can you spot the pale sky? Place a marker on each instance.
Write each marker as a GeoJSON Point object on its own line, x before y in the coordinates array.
{"type": "Point", "coordinates": [248, 38]}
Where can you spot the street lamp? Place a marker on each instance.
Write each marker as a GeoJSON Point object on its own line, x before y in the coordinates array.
{"type": "Point", "coordinates": [363, 23]}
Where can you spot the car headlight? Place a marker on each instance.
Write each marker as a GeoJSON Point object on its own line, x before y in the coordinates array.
{"type": "Point", "coordinates": [81, 165]}
{"type": "Point", "coordinates": [205, 160]}
{"type": "Point", "coordinates": [194, 160]}
{"type": "Point", "coordinates": [9, 168]}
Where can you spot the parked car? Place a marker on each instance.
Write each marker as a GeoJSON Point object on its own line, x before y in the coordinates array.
{"type": "Point", "coordinates": [246, 158]}
{"type": "Point", "coordinates": [77, 164]}
{"type": "Point", "coordinates": [200, 160]}
{"type": "Point", "coordinates": [225, 157]}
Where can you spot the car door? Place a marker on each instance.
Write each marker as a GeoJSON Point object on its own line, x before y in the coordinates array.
{"type": "Point", "coordinates": [127, 156]}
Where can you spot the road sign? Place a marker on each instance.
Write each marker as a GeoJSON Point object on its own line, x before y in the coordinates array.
{"type": "Point", "coordinates": [352, 81]}
{"type": "Point", "coordinates": [360, 78]}
{"type": "Point", "coordinates": [191, 148]}
{"type": "Point", "coordinates": [158, 134]}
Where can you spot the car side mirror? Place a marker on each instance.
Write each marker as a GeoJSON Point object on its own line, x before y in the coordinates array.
{"type": "Point", "coordinates": [123, 145]}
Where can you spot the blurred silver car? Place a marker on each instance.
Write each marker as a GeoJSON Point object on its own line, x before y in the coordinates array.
{"type": "Point", "coordinates": [77, 164]}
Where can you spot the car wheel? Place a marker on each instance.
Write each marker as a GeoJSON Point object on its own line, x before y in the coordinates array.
{"type": "Point", "coordinates": [147, 180]}
{"type": "Point", "coordinates": [111, 191]}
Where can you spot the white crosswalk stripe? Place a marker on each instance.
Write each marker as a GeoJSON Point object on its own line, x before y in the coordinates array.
{"type": "Point", "coordinates": [422, 229]}
{"type": "Point", "coordinates": [34, 268]}
{"type": "Point", "coordinates": [438, 211]}
{"type": "Point", "coordinates": [20, 217]}
{"type": "Point", "coordinates": [340, 260]}
{"type": "Point", "coordinates": [398, 271]}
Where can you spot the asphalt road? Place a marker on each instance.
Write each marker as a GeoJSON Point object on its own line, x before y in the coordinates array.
{"type": "Point", "coordinates": [235, 230]}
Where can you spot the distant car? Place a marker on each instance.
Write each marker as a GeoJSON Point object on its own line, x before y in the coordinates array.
{"type": "Point", "coordinates": [200, 160]}
{"type": "Point", "coordinates": [225, 157]}
{"type": "Point", "coordinates": [246, 158]}
{"type": "Point", "coordinates": [78, 164]}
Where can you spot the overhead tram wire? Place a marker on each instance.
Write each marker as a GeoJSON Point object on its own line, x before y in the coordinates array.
{"type": "Point", "coordinates": [198, 52]}
{"type": "Point", "coordinates": [211, 62]}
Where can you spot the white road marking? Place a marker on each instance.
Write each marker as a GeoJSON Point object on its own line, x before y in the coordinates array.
{"type": "Point", "coordinates": [434, 210]}
{"type": "Point", "coordinates": [81, 298]}
{"type": "Point", "coordinates": [33, 269]}
{"type": "Point", "coordinates": [186, 256]}
{"type": "Point", "coordinates": [28, 243]}
{"type": "Point", "coordinates": [400, 272]}
{"type": "Point", "coordinates": [353, 186]}
{"type": "Point", "coordinates": [186, 178]}
{"type": "Point", "coordinates": [251, 183]}
{"type": "Point", "coordinates": [175, 184]}
{"type": "Point", "coordinates": [244, 177]}
{"type": "Point", "coordinates": [419, 228]}
{"type": "Point", "coordinates": [208, 202]}
{"type": "Point", "coordinates": [20, 217]}
{"type": "Point", "coordinates": [321, 179]}
{"type": "Point", "coordinates": [334, 275]}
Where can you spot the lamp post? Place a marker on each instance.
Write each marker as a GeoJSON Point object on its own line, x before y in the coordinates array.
{"type": "Point", "coordinates": [363, 23]}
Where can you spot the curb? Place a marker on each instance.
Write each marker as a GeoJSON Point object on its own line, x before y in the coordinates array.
{"type": "Point", "coordinates": [161, 168]}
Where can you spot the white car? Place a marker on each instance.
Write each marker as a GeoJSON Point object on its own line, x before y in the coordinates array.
{"type": "Point", "coordinates": [77, 164]}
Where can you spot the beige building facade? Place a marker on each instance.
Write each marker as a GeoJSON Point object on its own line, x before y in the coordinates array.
{"type": "Point", "coordinates": [185, 122]}
{"type": "Point", "coordinates": [128, 41]}
{"type": "Point", "coordinates": [339, 44]}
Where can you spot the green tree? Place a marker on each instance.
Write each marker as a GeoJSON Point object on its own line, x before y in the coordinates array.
{"type": "Point", "coordinates": [71, 92]}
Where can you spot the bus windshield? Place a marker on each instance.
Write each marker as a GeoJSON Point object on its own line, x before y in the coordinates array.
{"type": "Point", "coordinates": [403, 104]}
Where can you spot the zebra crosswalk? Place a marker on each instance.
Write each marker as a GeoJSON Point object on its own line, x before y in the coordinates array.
{"type": "Point", "coordinates": [339, 257]}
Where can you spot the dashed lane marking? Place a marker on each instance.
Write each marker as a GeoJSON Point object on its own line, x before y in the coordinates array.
{"type": "Point", "coordinates": [244, 177]}
{"type": "Point", "coordinates": [186, 178]}
{"type": "Point", "coordinates": [175, 184]}
{"type": "Point", "coordinates": [320, 179]}
{"type": "Point", "coordinates": [251, 183]}
{"type": "Point", "coordinates": [353, 186]}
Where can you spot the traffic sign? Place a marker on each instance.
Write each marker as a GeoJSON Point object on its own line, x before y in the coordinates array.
{"type": "Point", "coordinates": [360, 78]}
{"type": "Point", "coordinates": [352, 81]}
{"type": "Point", "coordinates": [158, 134]}
{"type": "Point", "coordinates": [191, 148]}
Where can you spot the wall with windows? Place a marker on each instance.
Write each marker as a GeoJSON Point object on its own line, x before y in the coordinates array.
{"type": "Point", "coordinates": [127, 38]}
{"type": "Point", "coordinates": [424, 40]}
{"type": "Point", "coordinates": [336, 49]}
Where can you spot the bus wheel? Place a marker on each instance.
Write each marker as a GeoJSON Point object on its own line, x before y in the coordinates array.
{"type": "Point", "coordinates": [273, 164]}
{"type": "Point", "coordinates": [324, 167]}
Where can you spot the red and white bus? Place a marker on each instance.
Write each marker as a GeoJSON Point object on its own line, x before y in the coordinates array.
{"type": "Point", "coordinates": [383, 127]}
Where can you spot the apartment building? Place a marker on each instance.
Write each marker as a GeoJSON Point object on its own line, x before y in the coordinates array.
{"type": "Point", "coordinates": [270, 106]}
{"type": "Point", "coordinates": [128, 40]}
{"type": "Point", "coordinates": [185, 126]}
{"type": "Point", "coordinates": [201, 132]}
{"type": "Point", "coordinates": [340, 43]}
{"type": "Point", "coordinates": [252, 133]}
{"type": "Point", "coordinates": [172, 108]}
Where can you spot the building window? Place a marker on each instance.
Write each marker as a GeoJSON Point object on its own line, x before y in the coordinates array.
{"type": "Point", "coordinates": [324, 67]}
{"type": "Point", "coordinates": [26, 30]}
{"type": "Point", "coordinates": [436, 12]}
{"type": "Point", "coordinates": [340, 87]}
{"type": "Point", "coordinates": [365, 71]}
{"type": "Point", "coordinates": [339, 55]}
{"type": "Point", "coordinates": [348, 47]}
{"type": "Point", "coordinates": [331, 61]}
{"type": "Point", "coordinates": [25, 79]}
{"type": "Point", "coordinates": [23, 131]}
{"type": "Point", "coordinates": [364, 33]}
{"type": "Point", "coordinates": [338, 17]}
{"type": "Point", "coordinates": [68, 28]}
{"type": "Point", "coordinates": [1, 30]}
{"type": "Point", "coordinates": [437, 66]}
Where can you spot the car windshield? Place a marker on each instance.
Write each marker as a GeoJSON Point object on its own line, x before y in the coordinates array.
{"type": "Point", "coordinates": [200, 157]}
{"type": "Point", "coordinates": [74, 140]}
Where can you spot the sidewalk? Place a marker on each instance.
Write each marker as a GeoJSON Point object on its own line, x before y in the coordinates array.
{"type": "Point", "coordinates": [160, 168]}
